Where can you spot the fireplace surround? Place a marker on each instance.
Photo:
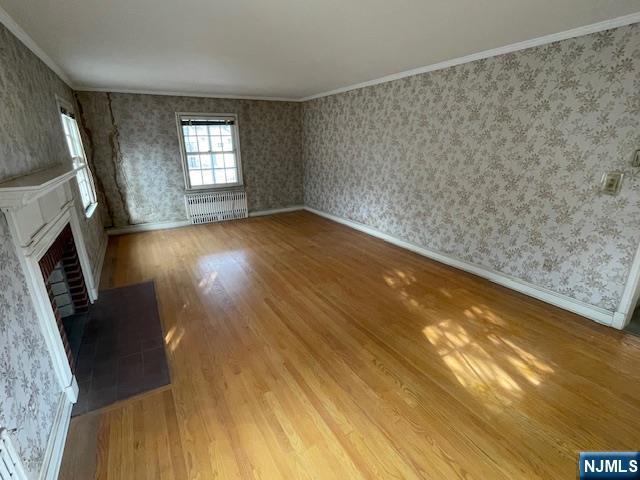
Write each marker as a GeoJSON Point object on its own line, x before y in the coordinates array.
{"type": "Point", "coordinates": [42, 217]}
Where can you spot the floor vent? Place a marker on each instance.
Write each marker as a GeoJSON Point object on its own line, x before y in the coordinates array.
{"type": "Point", "coordinates": [216, 206]}
{"type": "Point", "coordinates": [10, 465]}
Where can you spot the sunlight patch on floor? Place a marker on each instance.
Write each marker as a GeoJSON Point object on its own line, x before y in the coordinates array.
{"type": "Point", "coordinates": [173, 337]}
{"type": "Point", "coordinates": [495, 375]}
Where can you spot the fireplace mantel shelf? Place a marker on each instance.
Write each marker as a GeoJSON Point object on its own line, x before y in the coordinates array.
{"type": "Point", "coordinates": [18, 192]}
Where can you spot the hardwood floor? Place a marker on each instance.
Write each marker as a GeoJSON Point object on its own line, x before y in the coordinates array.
{"type": "Point", "coordinates": [299, 348]}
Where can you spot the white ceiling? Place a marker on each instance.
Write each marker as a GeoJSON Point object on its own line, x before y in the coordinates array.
{"type": "Point", "coordinates": [280, 48]}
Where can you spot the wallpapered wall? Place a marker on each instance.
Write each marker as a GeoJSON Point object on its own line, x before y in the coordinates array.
{"type": "Point", "coordinates": [496, 162]}
{"type": "Point", "coordinates": [30, 139]}
{"type": "Point", "coordinates": [137, 154]}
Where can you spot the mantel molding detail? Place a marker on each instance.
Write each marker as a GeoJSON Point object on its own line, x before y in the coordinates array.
{"type": "Point", "coordinates": [21, 191]}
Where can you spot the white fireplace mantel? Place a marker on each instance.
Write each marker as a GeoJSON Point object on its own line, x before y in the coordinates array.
{"type": "Point", "coordinates": [38, 206]}
{"type": "Point", "coordinates": [18, 192]}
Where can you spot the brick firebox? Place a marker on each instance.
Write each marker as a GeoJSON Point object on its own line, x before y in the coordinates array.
{"type": "Point", "coordinates": [63, 252]}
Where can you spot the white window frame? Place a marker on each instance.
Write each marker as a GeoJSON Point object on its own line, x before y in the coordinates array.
{"type": "Point", "coordinates": [79, 163]}
{"type": "Point", "coordinates": [236, 149]}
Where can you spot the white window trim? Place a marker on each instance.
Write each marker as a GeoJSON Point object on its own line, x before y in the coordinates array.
{"type": "Point", "coordinates": [60, 104]}
{"type": "Point", "coordinates": [183, 151]}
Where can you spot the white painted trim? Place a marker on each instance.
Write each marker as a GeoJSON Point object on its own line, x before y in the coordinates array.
{"type": "Point", "coordinates": [494, 52]}
{"type": "Point", "coordinates": [57, 438]}
{"type": "Point", "coordinates": [598, 314]}
{"type": "Point", "coordinates": [630, 295]}
{"type": "Point", "coordinates": [24, 37]}
{"type": "Point", "coordinates": [31, 249]}
{"type": "Point", "coordinates": [29, 259]}
{"type": "Point", "coordinates": [14, 463]}
{"type": "Point", "coordinates": [97, 270]}
{"type": "Point", "coordinates": [146, 227]}
{"type": "Point", "coordinates": [185, 94]}
{"type": "Point", "coordinates": [83, 255]}
{"type": "Point", "coordinates": [235, 127]}
{"type": "Point", "coordinates": [20, 191]}
{"type": "Point", "coordinates": [260, 213]}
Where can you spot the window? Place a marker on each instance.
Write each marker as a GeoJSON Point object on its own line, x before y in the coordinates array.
{"type": "Point", "coordinates": [83, 174]}
{"type": "Point", "coordinates": [210, 152]}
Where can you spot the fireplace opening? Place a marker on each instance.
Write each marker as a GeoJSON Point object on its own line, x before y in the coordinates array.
{"type": "Point", "coordinates": [60, 267]}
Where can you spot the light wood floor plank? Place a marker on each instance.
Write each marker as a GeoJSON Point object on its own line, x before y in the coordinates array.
{"type": "Point", "coordinates": [301, 349]}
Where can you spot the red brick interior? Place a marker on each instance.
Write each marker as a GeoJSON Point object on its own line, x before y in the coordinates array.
{"type": "Point", "coordinates": [64, 250]}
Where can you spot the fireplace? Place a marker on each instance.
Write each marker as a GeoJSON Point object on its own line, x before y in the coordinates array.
{"type": "Point", "coordinates": [64, 280]}
{"type": "Point", "coordinates": [46, 231]}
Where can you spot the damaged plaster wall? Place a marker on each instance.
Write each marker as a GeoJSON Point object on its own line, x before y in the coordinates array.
{"type": "Point", "coordinates": [136, 153]}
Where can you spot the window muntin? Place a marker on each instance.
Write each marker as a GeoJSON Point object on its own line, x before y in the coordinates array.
{"type": "Point", "coordinates": [211, 157]}
{"type": "Point", "coordinates": [79, 161]}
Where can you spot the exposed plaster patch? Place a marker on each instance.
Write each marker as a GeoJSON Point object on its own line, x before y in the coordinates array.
{"type": "Point", "coordinates": [119, 176]}
{"type": "Point", "coordinates": [91, 159]}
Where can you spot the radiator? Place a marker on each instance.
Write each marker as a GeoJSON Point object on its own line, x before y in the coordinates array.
{"type": "Point", "coordinates": [216, 206]}
{"type": "Point", "coordinates": [10, 464]}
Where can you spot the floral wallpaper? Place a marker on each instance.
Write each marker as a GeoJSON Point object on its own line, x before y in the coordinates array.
{"type": "Point", "coordinates": [31, 138]}
{"type": "Point", "coordinates": [29, 389]}
{"type": "Point", "coordinates": [137, 154]}
{"type": "Point", "coordinates": [496, 162]}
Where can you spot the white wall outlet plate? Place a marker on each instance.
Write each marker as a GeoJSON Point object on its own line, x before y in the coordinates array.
{"type": "Point", "coordinates": [611, 182]}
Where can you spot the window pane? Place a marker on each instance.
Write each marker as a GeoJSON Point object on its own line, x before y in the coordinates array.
{"type": "Point", "coordinates": [216, 144]}
{"type": "Point", "coordinates": [86, 197]}
{"type": "Point", "coordinates": [227, 144]}
{"type": "Point", "coordinates": [65, 124]}
{"type": "Point", "coordinates": [229, 160]}
{"type": "Point", "coordinates": [207, 177]}
{"type": "Point", "coordinates": [220, 176]}
{"type": "Point", "coordinates": [205, 161]}
{"type": "Point", "coordinates": [218, 160]}
{"type": "Point", "coordinates": [195, 177]}
{"type": "Point", "coordinates": [210, 153]}
{"type": "Point", "coordinates": [77, 143]}
{"type": "Point", "coordinates": [231, 175]}
{"type": "Point", "coordinates": [70, 146]}
{"type": "Point", "coordinates": [79, 162]}
{"type": "Point", "coordinates": [190, 144]}
{"type": "Point", "coordinates": [203, 144]}
{"type": "Point", "coordinates": [83, 187]}
{"type": "Point", "coordinates": [194, 162]}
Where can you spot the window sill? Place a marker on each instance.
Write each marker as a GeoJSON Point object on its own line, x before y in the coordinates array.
{"type": "Point", "coordinates": [212, 188]}
{"type": "Point", "coordinates": [90, 210]}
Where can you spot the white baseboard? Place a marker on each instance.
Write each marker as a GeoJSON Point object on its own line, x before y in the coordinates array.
{"type": "Point", "coordinates": [273, 211]}
{"type": "Point", "coordinates": [592, 312]}
{"type": "Point", "coordinates": [97, 270]}
{"type": "Point", "coordinates": [145, 227]}
{"type": "Point", "coordinates": [55, 446]}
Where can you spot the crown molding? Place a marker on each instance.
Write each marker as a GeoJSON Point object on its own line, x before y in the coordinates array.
{"type": "Point", "coordinates": [494, 52]}
{"type": "Point", "coordinates": [30, 43]}
{"type": "Point", "coordinates": [630, 19]}
{"type": "Point", "coordinates": [185, 94]}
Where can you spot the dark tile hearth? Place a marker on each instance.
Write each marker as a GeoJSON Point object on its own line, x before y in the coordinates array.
{"type": "Point", "coordinates": [74, 326]}
{"type": "Point", "coordinates": [122, 352]}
